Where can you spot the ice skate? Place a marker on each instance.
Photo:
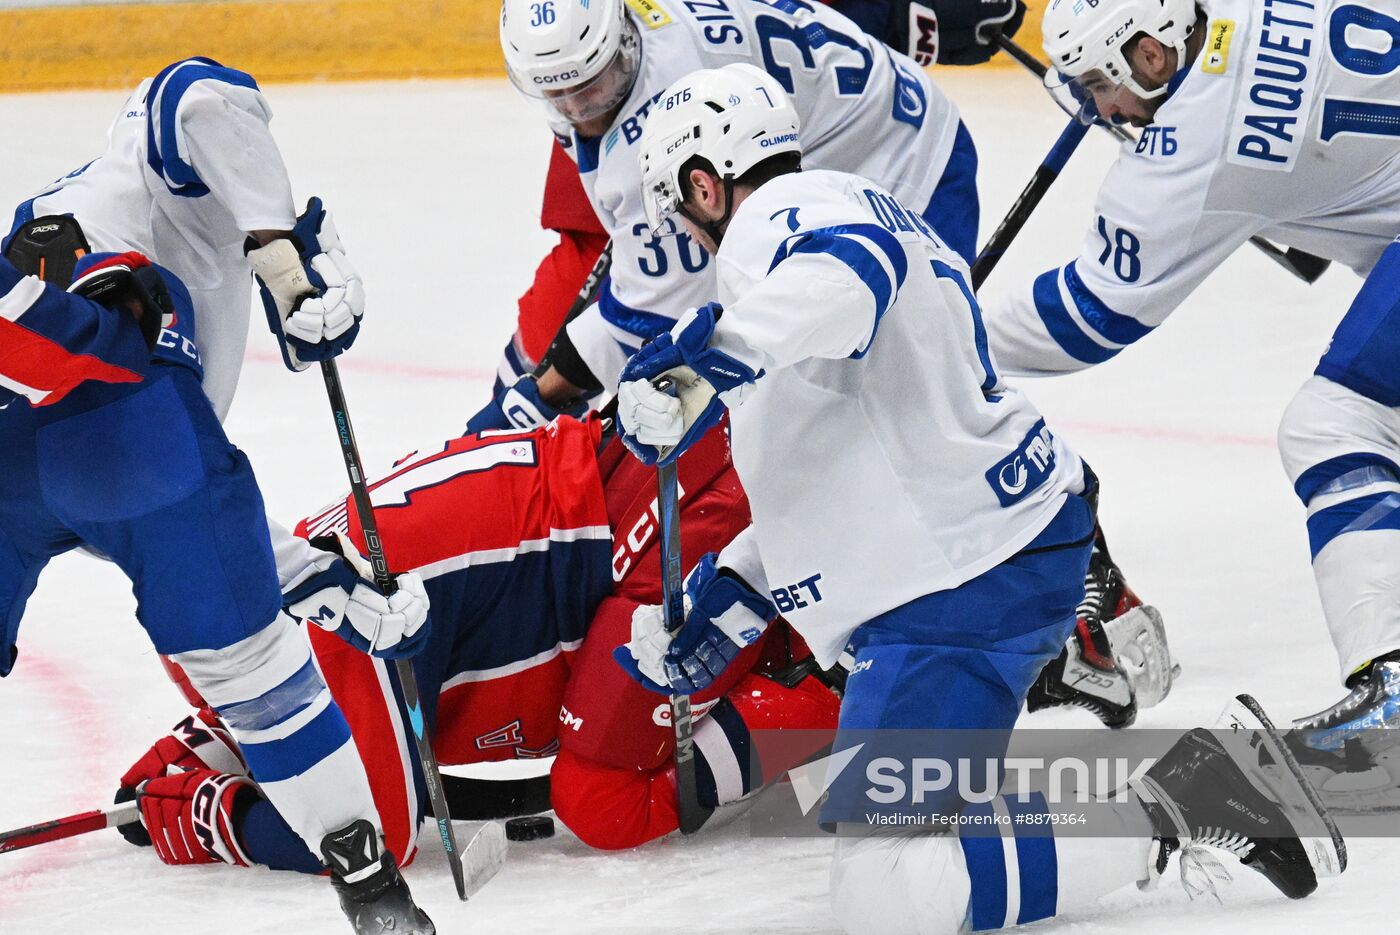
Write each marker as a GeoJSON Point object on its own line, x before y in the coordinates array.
{"type": "Point", "coordinates": [372, 892]}
{"type": "Point", "coordinates": [1237, 789]}
{"type": "Point", "coordinates": [1351, 751]}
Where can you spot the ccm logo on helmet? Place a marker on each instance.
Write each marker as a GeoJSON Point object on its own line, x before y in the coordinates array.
{"type": "Point", "coordinates": [777, 140]}
{"type": "Point", "coordinates": [555, 79]}
{"type": "Point", "coordinates": [677, 143]}
{"type": "Point", "coordinates": [1118, 32]}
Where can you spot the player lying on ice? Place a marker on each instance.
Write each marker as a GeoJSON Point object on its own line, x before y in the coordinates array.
{"type": "Point", "coordinates": [536, 549]}
{"type": "Point", "coordinates": [192, 179]}
{"type": "Point", "coordinates": [845, 335]}
{"type": "Point", "coordinates": [1260, 116]}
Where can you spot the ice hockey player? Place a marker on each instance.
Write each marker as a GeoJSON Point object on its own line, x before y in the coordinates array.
{"type": "Point", "coordinates": [190, 173]}
{"type": "Point", "coordinates": [845, 334]}
{"type": "Point", "coordinates": [536, 549]}
{"type": "Point", "coordinates": [655, 279]}
{"type": "Point", "coordinates": [949, 32]}
{"type": "Point", "coordinates": [597, 68]}
{"type": "Point", "coordinates": [1259, 116]}
{"type": "Point", "coordinates": [192, 178]}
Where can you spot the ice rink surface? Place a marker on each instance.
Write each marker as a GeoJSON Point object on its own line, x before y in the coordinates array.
{"type": "Point", "coordinates": [436, 190]}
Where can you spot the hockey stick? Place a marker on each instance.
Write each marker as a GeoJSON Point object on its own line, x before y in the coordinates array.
{"type": "Point", "coordinates": [1045, 175]}
{"type": "Point", "coordinates": [67, 827]}
{"type": "Point", "coordinates": [1305, 266]}
{"type": "Point", "coordinates": [691, 813]}
{"type": "Point", "coordinates": [486, 851]}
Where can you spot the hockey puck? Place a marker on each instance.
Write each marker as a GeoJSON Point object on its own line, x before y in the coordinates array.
{"type": "Point", "coordinates": [530, 828]}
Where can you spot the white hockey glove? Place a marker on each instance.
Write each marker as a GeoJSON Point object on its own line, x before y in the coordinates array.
{"type": "Point", "coordinates": [340, 595]}
{"type": "Point", "coordinates": [659, 426]}
{"type": "Point", "coordinates": [313, 297]}
{"type": "Point", "coordinates": [723, 615]}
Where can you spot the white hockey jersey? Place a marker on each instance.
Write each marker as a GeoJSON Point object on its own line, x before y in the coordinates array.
{"type": "Point", "coordinates": [864, 108]}
{"type": "Point", "coordinates": [882, 456]}
{"type": "Point", "coordinates": [1287, 124]}
{"type": "Point", "coordinates": [190, 166]}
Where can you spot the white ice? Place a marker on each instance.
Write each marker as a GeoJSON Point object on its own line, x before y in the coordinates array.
{"type": "Point", "coordinates": [436, 188]}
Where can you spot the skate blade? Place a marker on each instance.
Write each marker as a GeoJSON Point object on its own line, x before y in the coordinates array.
{"type": "Point", "coordinates": [483, 857]}
{"type": "Point", "coordinates": [1372, 792]}
{"type": "Point", "coordinates": [1327, 850]}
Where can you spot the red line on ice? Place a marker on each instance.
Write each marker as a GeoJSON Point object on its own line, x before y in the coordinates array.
{"type": "Point", "coordinates": [354, 364]}
{"type": "Point", "coordinates": [83, 720]}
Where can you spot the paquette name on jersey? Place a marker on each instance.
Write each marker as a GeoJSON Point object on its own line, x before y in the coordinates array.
{"type": "Point", "coordinates": [1276, 96]}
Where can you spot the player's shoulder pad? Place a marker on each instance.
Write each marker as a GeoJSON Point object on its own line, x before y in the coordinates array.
{"type": "Point", "coordinates": [793, 207]}
{"type": "Point", "coordinates": [163, 101]}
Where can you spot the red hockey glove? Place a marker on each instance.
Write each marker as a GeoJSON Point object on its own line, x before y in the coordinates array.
{"type": "Point", "coordinates": [200, 741]}
{"type": "Point", "coordinates": [190, 817]}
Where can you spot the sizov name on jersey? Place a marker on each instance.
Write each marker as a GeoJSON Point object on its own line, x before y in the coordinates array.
{"type": "Point", "coordinates": [1021, 473]}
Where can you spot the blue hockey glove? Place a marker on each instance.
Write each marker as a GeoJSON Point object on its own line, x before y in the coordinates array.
{"type": "Point", "coordinates": [658, 426]}
{"type": "Point", "coordinates": [520, 406]}
{"type": "Point", "coordinates": [723, 615]}
{"type": "Point", "coordinates": [339, 594]}
{"type": "Point", "coordinates": [313, 297]}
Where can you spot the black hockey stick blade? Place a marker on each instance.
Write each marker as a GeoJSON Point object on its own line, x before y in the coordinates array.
{"type": "Point", "coordinates": [473, 799]}
{"type": "Point", "coordinates": [1305, 266]}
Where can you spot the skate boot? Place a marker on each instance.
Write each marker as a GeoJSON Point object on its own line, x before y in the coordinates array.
{"type": "Point", "coordinates": [1117, 659]}
{"type": "Point", "coordinates": [1351, 751]}
{"type": "Point", "coordinates": [373, 894]}
{"type": "Point", "coordinates": [1370, 714]}
{"type": "Point", "coordinates": [1237, 789]}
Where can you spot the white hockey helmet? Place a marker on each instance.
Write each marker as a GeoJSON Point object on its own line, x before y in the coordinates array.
{"type": "Point", "coordinates": [579, 56]}
{"type": "Point", "coordinates": [1086, 40]}
{"type": "Point", "coordinates": [734, 117]}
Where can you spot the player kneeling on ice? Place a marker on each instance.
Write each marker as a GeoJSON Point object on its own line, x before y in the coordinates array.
{"type": "Point", "coordinates": [920, 508]}
{"type": "Point", "coordinates": [519, 659]}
